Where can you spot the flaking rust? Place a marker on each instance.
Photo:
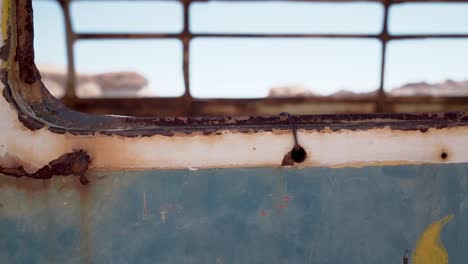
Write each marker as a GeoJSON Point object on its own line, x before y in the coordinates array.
{"type": "Point", "coordinates": [75, 163]}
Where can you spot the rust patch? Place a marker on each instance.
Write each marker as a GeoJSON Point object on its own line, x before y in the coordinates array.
{"type": "Point", "coordinates": [74, 163]}
{"type": "Point", "coordinates": [287, 160]}
{"type": "Point", "coordinates": [25, 44]}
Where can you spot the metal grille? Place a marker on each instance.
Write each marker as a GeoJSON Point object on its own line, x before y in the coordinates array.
{"type": "Point", "coordinates": [186, 36]}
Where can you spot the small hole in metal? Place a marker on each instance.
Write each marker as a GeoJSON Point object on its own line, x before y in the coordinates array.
{"type": "Point", "coordinates": [444, 155]}
{"type": "Point", "coordinates": [298, 154]}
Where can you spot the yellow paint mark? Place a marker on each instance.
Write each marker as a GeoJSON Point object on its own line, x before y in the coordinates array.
{"type": "Point", "coordinates": [429, 249]}
{"type": "Point", "coordinates": [5, 18]}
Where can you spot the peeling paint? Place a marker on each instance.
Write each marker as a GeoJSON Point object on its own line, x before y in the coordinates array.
{"type": "Point", "coordinates": [75, 163]}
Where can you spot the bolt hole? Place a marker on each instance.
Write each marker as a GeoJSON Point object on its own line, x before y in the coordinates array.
{"type": "Point", "coordinates": [298, 154]}
{"type": "Point", "coordinates": [444, 155]}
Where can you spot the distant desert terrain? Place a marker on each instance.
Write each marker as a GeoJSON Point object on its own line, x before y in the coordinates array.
{"type": "Point", "coordinates": [107, 84]}
{"type": "Point", "coordinates": [446, 88]}
{"type": "Point", "coordinates": [134, 84]}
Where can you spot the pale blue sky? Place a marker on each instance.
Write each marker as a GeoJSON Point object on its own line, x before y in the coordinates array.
{"type": "Point", "coordinates": [249, 67]}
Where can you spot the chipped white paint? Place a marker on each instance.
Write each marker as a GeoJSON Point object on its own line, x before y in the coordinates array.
{"type": "Point", "coordinates": [35, 149]}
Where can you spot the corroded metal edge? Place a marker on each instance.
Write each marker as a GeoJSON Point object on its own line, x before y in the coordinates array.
{"type": "Point", "coordinates": [37, 108]}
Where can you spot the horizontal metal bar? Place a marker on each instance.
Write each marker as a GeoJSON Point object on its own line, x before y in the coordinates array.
{"type": "Point", "coordinates": [332, 1]}
{"type": "Point", "coordinates": [125, 36]}
{"type": "Point", "coordinates": [338, 1]}
{"type": "Point", "coordinates": [241, 35]}
{"type": "Point", "coordinates": [423, 36]}
{"type": "Point", "coordinates": [213, 35]}
{"type": "Point", "coordinates": [390, 37]}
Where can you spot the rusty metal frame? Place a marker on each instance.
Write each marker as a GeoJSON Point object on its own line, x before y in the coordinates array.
{"type": "Point", "coordinates": [37, 108]}
{"type": "Point", "coordinates": [193, 106]}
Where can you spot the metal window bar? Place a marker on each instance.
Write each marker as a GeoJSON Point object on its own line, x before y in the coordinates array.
{"type": "Point", "coordinates": [186, 36]}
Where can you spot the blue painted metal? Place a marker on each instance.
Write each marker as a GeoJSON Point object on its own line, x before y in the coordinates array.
{"type": "Point", "coordinates": [261, 215]}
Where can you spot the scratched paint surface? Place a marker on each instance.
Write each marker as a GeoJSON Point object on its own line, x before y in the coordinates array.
{"type": "Point", "coordinates": [261, 215]}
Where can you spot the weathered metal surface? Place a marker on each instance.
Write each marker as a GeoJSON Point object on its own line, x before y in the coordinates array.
{"type": "Point", "coordinates": [264, 215]}
{"type": "Point", "coordinates": [342, 212]}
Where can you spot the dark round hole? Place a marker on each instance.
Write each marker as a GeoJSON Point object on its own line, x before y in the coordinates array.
{"type": "Point", "coordinates": [443, 155]}
{"type": "Point", "coordinates": [298, 154]}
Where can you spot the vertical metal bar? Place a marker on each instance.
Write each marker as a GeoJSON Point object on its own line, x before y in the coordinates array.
{"type": "Point", "coordinates": [70, 41]}
{"type": "Point", "coordinates": [384, 38]}
{"type": "Point", "coordinates": [186, 37]}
